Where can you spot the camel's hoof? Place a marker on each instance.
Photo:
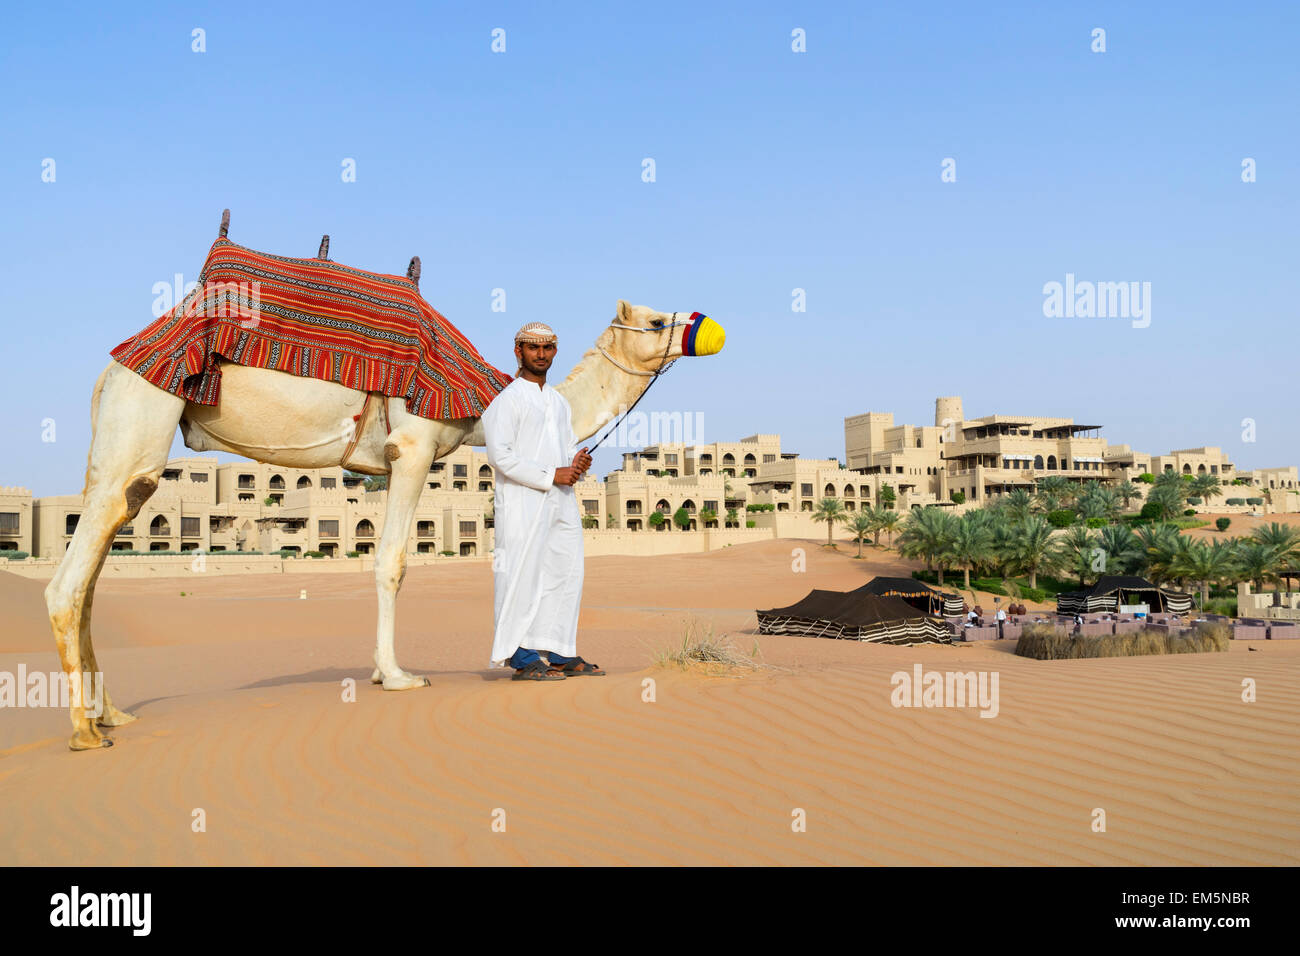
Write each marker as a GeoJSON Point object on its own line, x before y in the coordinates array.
{"type": "Point", "coordinates": [404, 681]}
{"type": "Point", "coordinates": [117, 718]}
{"type": "Point", "coordinates": [89, 742]}
{"type": "Point", "coordinates": [377, 676]}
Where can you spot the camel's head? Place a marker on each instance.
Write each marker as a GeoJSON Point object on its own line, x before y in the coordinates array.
{"type": "Point", "coordinates": [647, 339]}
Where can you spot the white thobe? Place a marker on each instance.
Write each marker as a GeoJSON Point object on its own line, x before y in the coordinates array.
{"type": "Point", "coordinates": [537, 563]}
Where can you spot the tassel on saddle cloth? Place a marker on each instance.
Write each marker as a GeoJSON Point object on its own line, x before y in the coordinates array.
{"type": "Point", "coordinates": [315, 318]}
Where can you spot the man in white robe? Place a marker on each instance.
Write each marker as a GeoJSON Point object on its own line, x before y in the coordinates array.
{"type": "Point", "coordinates": [537, 564]}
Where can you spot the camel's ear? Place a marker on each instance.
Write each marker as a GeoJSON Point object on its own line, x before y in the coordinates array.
{"type": "Point", "coordinates": [624, 312]}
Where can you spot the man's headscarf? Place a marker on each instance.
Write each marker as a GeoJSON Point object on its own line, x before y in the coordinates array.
{"type": "Point", "coordinates": [538, 333]}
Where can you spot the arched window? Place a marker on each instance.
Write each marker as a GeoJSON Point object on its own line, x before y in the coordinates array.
{"type": "Point", "coordinates": [159, 528]}
{"type": "Point", "coordinates": [365, 529]}
{"type": "Point", "coordinates": [304, 482]}
{"type": "Point", "coordinates": [1051, 462]}
{"type": "Point", "coordinates": [1038, 461]}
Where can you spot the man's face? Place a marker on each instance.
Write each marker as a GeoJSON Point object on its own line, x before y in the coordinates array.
{"type": "Point", "coordinates": [535, 358]}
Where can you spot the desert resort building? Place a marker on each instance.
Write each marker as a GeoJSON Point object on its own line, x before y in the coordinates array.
{"type": "Point", "coordinates": [707, 495]}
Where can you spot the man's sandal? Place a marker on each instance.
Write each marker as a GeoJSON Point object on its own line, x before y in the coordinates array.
{"type": "Point", "coordinates": [538, 670]}
{"type": "Point", "coordinates": [578, 668]}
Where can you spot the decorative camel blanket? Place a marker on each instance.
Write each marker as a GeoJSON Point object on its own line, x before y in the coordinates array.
{"type": "Point", "coordinates": [314, 318]}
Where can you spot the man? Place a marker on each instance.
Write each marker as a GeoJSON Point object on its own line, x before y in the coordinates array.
{"type": "Point", "coordinates": [537, 565]}
{"type": "Point", "coordinates": [1001, 616]}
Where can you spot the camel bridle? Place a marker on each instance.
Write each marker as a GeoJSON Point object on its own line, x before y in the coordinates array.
{"type": "Point", "coordinates": [664, 365]}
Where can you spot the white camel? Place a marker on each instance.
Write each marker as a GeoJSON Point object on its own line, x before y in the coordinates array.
{"type": "Point", "coordinates": [283, 419]}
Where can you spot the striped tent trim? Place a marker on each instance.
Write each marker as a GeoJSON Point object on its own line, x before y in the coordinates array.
{"type": "Point", "coordinates": [318, 319]}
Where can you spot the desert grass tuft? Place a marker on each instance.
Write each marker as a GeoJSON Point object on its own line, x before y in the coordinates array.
{"type": "Point", "coordinates": [701, 650]}
{"type": "Point", "coordinates": [1047, 642]}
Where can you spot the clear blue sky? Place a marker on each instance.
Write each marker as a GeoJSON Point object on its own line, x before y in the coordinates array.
{"type": "Point", "coordinates": [775, 170]}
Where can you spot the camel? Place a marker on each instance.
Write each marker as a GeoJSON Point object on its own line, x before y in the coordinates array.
{"type": "Point", "coordinates": [280, 418]}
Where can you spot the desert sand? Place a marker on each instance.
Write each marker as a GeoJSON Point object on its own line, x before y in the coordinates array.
{"type": "Point", "coordinates": [239, 690]}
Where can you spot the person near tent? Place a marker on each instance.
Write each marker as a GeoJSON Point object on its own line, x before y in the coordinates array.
{"type": "Point", "coordinates": [537, 564]}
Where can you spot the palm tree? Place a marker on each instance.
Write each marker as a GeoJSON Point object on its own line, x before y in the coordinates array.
{"type": "Point", "coordinates": [1053, 491]}
{"type": "Point", "coordinates": [1257, 562]}
{"type": "Point", "coordinates": [860, 524]}
{"type": "Point", "coordinates": [1099, 502]}
{"type": "Point", "coordinates": [1284, 539]}
{"type": "Point", "coordinates": [1018, 505]}
{"type": "Point", "coordinates": [1169, 497]}
{"type": "Point", "coordinates": [1122, 549]}
{"type": "Point", "coordinates": [1031, 548]}
{"type": "Point", "coordinates": [889, 521]}
{"type": "Point", "coordinates": [971, 544]}
{"type": "Point", "coordinates": [1128, 491]}
{"type": "Point", "coordinates": [1205, 487]}
{"type": "Point", "coordinates": [1205, 564]}
{"type": "Point", "coordinates": [830, 510]}
{"type": "Point", "coordinates": [1159, 542]}
{"type": "Point", "coordinates": [928, 534]}
{"type": "Point", "coordinates": [1076, 551]}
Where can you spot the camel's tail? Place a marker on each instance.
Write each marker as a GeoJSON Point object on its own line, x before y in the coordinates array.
{"type": "Point", "coordinates": [94, 415]}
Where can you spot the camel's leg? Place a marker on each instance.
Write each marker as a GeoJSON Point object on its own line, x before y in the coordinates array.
{"type": "Point", "coordinates": [133, 424]}
{"type": "Point", "coordinates": [410, 449]}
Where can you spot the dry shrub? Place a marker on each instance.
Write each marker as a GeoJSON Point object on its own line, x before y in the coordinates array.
{"type": "Point", "coordinates": [1048, 642]}
{"type": "Point", "coordinates": [701, 650]}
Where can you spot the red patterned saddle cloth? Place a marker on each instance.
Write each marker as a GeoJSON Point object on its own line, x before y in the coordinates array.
{"type": "Point", "coordinates": [312, 317]}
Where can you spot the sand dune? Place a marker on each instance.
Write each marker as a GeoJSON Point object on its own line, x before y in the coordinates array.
{"type": "Point", "coordinates": [239, 690]}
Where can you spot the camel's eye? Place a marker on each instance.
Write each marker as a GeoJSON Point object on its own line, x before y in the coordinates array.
{"type": "Point", "coordinates": [657, 323]}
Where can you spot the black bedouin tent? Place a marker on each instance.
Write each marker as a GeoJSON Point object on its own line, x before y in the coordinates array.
{"type": "Point", "coordinates": [916, 593]}
{"type": "Point", "coordinates": [857, 617]}
{"type": "Point", "coordinates": [1113, 590]}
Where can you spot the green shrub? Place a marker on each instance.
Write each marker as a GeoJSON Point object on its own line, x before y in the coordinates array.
{"type": "Point", "coordinates": [1061, 518]}
{"type": "Point", "coordinates": [1254, 501]}
{"type": "Point", "coordinates": [15, 555]}
{"type": "Point", "coordinates": [958, 497]}
{"type": "Point", "coordinates": [751, 524]}
{"type": "Point", "coordinates": [1096, 522]}
{"type": "Point", "coordinates": [1150, 512]}
{"type": "Point", "coordinates": [1189, 512]}
{"type": "Point", "coordinates": [1222, 523]}
{"type": "Point", "coordinates": [1193, 501]}
{"type": "Point", "coordinates": [1227, 606]}
{"type": "Point", "coordinates": [354, 554]}
{"type": "Point", "coordinates": [314, 554]}
{"type": "Point", "coordinates": [1146, 478]}
{"type": "Point", "coordinates": [1236, 501]}
{"type": "Point", "coordinates": [449, 554]}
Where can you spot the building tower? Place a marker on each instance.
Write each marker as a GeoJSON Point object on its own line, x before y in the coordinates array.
{"type": "Point", "coordinates": [947, 411]}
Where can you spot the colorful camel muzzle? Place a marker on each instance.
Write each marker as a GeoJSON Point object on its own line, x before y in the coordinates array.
{"type": "Point", "coordinates": [703, 337]}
